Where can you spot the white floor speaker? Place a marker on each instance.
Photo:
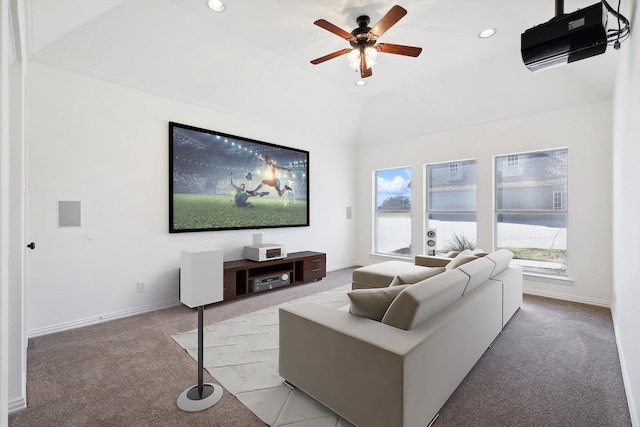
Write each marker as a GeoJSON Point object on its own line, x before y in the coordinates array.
{"type": "Point", "coordinates": [201, 283]}
{"type": "Point", "coordinates": [201, 277]}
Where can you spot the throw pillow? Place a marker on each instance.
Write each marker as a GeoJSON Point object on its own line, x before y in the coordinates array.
{"type": "Point", "coordinates": [411, 278]}
{"type": "Point", "coordinates": [422, 300]}
{"type": "Point", "coordinates": [462, 258]}
{"type": "Point", "coordinates": [373, 303]}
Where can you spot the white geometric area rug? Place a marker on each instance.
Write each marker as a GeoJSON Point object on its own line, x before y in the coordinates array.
{"type": "Point", "coordinates": [242, 355]}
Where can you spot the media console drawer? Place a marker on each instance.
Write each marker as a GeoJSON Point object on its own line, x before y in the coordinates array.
{"type": "Point", "coordinates": [314, 268]}
{"type": "Point", "coordinates": [242, 276]}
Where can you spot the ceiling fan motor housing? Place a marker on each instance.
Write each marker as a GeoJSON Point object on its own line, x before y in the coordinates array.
{"type": "Point", "coordinates": [363, 24]}
{"type": "Point", "coordinates": [362, 34]}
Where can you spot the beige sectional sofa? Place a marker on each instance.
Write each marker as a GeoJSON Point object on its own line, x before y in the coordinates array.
{"type": "Point", "coordinates": [397, 353]}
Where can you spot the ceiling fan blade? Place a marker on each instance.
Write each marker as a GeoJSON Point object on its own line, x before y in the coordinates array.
{"type": "Point", "coordinates": [388, 20]}
{"type": "Point", "coordinates": [399, 49]}
{"type": "Point", "coordinates": [330, 56]}
{"type": "Point", "coordinates": [364, 71]}
{"type": "Point", "coordinates": [333, 29]}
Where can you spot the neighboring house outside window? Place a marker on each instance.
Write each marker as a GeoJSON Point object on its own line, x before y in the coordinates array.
{"type": "Point", "coordinates": [531, 209]}
{"type": "Point", "coordinates": [451, 203]}
{"type": "Point", "coordinates": [392, 222]}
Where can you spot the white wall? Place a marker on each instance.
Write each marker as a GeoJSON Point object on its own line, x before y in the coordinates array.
{"type": "Point", "coordinates": [626, 211]}
{"type": "Point", "coordinates": [106, 145]}
{"type": "Point", "coordinates": [5, 35]}
{"type": "Point", "coordinates": [17, 317]}
{"type": "Point", "coordinates": [586, 131]}
{"type": "Point", "coordinates": [12, 308]}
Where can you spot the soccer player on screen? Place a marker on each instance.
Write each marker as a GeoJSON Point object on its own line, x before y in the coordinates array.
{"type": "Point", "coordinates": [273, 180]}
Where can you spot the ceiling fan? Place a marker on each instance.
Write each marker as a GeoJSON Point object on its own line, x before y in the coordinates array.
{"type": "Point", "coordinates": [364, 50]}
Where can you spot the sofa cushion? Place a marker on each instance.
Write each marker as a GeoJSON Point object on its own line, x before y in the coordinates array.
{"type": "Point", "coordinates": [460, 259]}
{"type": "Point", "coordinates": [479, 253]}
{"type": "Point", "coordinates": [502, 258]}
{"type": "Point", "coordinates": [373, 303]}
{"type": "Point", "coordinates": [418, 302]}
{"type": "Point", "coordinates": [418, 276]}
{"type": "Point", "coordinates": [431, 260]}
{"type": "Point", "coordinates": [478, 271]}
{"type": "Point", "coordinates": [381, 274]}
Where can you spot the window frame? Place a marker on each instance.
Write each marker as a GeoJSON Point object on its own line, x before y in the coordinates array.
{"type": "Point", "coordinates": [561, 275]}
{"type": "Point", "coordinates": [376, 214]}
{"type": "Point", "coordinates": [427, 206]}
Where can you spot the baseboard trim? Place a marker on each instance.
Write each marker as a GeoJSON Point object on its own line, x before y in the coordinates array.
{"type": "Point", "coordinates": [117, 315]}
{"type": "Point", "coordinates": [339, 267]}
{"type": "Point", "coordinates": [633, 411]}
{"type": "Point", "coordinates": [99, 319]}
{"type": "Point", "coordinates": [17, 405]}
{"type": "Point", "coordinates": [565, 297]}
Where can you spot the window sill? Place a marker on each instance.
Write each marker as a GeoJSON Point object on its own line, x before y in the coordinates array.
{"type": "Point", "coordinates": [546, 278]}
{"type": "Point", "coordinates": [389, 256]}
{"type": "Point", "coordinates": [557, 280]}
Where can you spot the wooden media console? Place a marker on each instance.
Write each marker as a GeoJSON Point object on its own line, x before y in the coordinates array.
{"type": "Point", "coordinates": [245, 277]}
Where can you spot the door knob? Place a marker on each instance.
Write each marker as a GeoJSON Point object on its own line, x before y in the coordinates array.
{"type": "Point", "coordinates": [31, 245]}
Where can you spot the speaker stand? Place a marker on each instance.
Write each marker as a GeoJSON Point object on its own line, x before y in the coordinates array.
{"type": "Point", "coordinates": [200, 396]}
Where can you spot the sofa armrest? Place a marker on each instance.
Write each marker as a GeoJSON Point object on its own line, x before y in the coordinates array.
{"type": "Point", "coordinates": [511, 278]}
{"type": "Point", "coordinates": [431, 261]}
{"type": "Point", "coordinates": [370, 373]}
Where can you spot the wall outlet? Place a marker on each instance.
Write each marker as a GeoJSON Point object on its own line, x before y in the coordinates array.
{"type": "Point", "coordinates": [142, 286]}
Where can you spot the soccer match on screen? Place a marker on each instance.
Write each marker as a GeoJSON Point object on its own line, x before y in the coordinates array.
{"type": "Point", "coordinates": [222, 182]}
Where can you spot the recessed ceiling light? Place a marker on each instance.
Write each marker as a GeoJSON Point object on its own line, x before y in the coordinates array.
{"type": "Point", "coordinates": [215, 5]}
{"type": "Point", "coordinates": [361, 83]}
{"type": "Point", "coordinates": [485, 34]}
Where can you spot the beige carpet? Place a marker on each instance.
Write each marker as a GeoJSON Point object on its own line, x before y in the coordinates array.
{"type": "Point", "coordinates": [242, 355]}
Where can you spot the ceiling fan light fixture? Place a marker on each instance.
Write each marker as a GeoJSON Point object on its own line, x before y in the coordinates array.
{"type": "Point", "coordinates": [371, 56]}
{"type": "Point", "coordinates": [354, 58]}
{"type": "Point", "coordinates": [215, 5]}
{"type": "Point", "coordinates": [361, 83]}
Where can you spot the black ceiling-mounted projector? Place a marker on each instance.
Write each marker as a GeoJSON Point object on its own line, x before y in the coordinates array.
{"type": "Point", "coordinates": [565, 38]}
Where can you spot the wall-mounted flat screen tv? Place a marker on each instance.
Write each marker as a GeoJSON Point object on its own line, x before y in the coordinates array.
{"type": "Point", "coordinates": [219, 181]}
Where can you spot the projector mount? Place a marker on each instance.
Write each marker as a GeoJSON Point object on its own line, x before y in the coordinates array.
{"type": "Point", "coordinates": [615, 36]}
{"type": "Point", "coordinates": [572, 37]}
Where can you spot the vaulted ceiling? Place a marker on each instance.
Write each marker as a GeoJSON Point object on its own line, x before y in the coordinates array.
{"type": "Point", "coordinates": [253, 60]}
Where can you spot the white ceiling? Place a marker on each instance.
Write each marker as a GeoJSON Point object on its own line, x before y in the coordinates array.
{"type": "Point", "coordinates": [253, 60]}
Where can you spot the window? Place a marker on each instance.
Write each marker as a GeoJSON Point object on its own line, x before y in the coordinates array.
{"type": "Point", "coordinates": [451, 204]}
{"type": "Point", "coordinates": [513, 160]}
{"type": "Point", "coordinates": [393, 212]}
{"type": "Point", "coordinates": [557, 200]}
{"type": "Point", "coordinates": [531, 209]}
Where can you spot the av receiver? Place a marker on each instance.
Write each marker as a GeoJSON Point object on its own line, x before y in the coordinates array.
{"type": "Point", "coordinates": [265, 252]}
{"type": "Point", "coordinates": [265, 283]}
